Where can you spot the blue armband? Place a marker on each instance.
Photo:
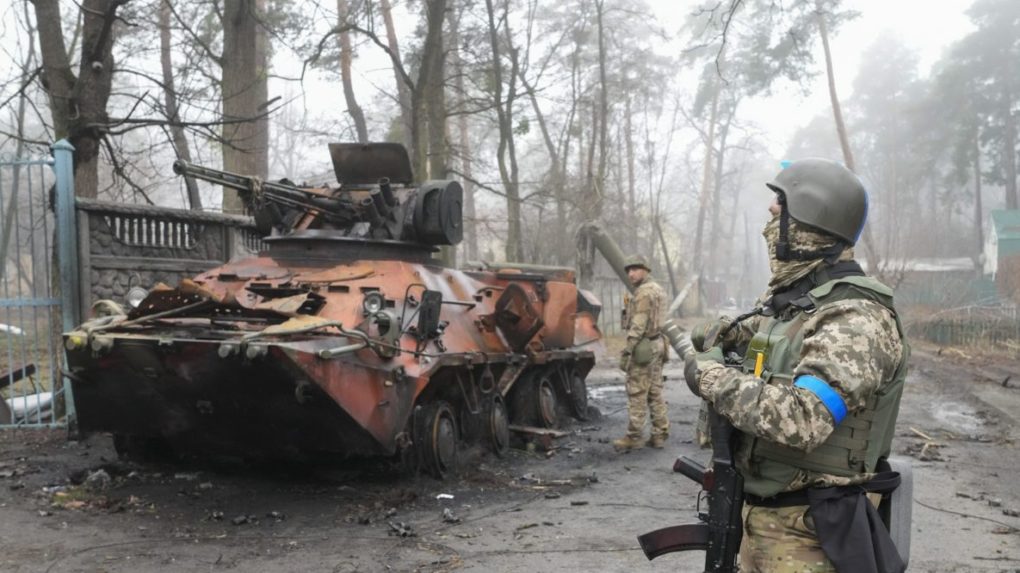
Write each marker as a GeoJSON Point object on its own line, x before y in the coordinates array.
{"type": "Point", "coordinates": [832, 400]}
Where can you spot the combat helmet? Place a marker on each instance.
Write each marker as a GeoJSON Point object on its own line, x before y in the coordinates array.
{"type": "Point", "coordinates": [636, 261]}
{"type": "Point", "coordinates": [822, 194]}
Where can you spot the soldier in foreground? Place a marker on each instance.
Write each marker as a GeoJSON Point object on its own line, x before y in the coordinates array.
{"type": "Point", "coordinates": [815, 399]}
{"type": "Point", "coordinates": [643, 357]}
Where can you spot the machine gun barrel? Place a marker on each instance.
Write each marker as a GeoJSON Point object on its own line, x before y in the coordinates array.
{"type": "Point", "coordinates": [291, 195]}
{"type": "Point", "coordinates": [224, 178]}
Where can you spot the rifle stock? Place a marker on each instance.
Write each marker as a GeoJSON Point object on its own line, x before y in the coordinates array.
{"type": "Point", "coordinates": [674, 538]}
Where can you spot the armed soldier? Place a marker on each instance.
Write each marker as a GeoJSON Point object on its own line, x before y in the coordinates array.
{"type": "Point", "coordinates": [817, 395]}
{"type": "Point", "coordinates": [643, 357]}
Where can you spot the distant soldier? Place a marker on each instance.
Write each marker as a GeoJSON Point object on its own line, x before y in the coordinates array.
{"type": "Point", "coordinates": [817, 395]}
{"type": "Point", "coordinates": [643, 357]}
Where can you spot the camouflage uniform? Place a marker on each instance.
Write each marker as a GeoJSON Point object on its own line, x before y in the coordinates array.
{"type": "Point", "coordinates": [644, 383]}
{"type": "Point", "coordinates": [856, 347]}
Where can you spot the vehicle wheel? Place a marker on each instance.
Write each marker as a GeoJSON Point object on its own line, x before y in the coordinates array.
{"type": "Point", "coordinates": [578, 395]}
{"type": "Point", "coordinates": [438, 439]}
{"type": "Point", "coordinates": [498, 428]}
{"type": "Point", "coordinates": [547, 403]}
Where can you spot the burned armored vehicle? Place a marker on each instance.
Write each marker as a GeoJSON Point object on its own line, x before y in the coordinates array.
{"type": "Point", "coordinates": [344, 337]}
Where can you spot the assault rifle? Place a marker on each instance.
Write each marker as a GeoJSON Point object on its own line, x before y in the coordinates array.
{"type": "Point", "coordinates": [720, 528]}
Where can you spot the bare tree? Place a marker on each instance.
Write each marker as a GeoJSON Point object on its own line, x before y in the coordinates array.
{"type": "Point", "coordinates": [78, 102]}
{"type": "Point", "coordinates": [177, 135]}
{"type": "Point", "coordinates": [506, 155]}
{"type": "Point", "coordinates": [346, 54]}
{"type": "Point", "coordinates": [403, 89]}
{"type": "Point", "coordinates": [245, 93]}
{"type": "Point", "coordinates": [464, 142]}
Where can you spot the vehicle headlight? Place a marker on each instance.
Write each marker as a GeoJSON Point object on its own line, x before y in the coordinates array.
{"type": "Point", "coordinates": [135, 296]}
{"type": "Point", "coordinates": [373, 303]}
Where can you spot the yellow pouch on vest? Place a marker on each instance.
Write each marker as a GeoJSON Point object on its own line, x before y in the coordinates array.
{"type": "Point", "coordinates": [644, 352]}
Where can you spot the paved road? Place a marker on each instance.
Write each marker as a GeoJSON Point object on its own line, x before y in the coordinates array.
{"type": "Point", "coordinates": [578, 510]}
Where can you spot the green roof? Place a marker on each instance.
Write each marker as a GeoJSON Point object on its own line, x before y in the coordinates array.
{"type": "Point", "coordinates": [1006, 223]}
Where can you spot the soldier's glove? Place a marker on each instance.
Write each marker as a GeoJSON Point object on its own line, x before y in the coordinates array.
{"type": "Point", "coordinates": [696, 364]}
{"type": "Point", "coordinates": [703, 335]}
{"type": "Point", "coordinates": [625, 361]}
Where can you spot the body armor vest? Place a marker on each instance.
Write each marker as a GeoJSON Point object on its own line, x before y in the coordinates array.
{"type": "Point", "coordinates": [863, 437]}
{"type": "Point", "coordinates": [654, 310]}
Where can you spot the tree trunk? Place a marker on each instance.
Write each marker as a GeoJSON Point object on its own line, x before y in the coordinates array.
{"type": "Point", "coordinates": [464, 136]}
{"type": "Point", "coordinates": [506, 154]}
{"type": "Point", "coordinates": [603, 119]}
{"type": "Point", "coordinates": [403, 90]}
{"type": "Point", "coordinates": [346, 55]}
{"type": "Point", "coordinates": [555, 177]}
{"type": "Point", "coordinates": [837, 112]}
{"type": "Point", "coordinates": [1009, 153]}
{"type": "Point", "coordinates": [11, 208]}
{"type": "Point", "coordinates": [715, 238]}
{"type": "Point", "coordinates": [591, 202]}
{"type": "Point", "coordinates": [78, 104]}
{"type": "Point", "coordinates": [674, 287]}
{"type": "Point", "coordinates": [844, 140]}
{"type": "Point", "coordinates": [628, 138]}
{"type": "Point", "coordinates": [979, 219]}
{"type": "Point", "coordinates": [180, 140]}
{"type": "Point", "coordinates": [245, 92]}
{"type": "Point", "coordinates": [706, 182]}
{"type": "Point", "coordinates": [432, 82]}
{"type": "Point", "coordinates": [431, 85]}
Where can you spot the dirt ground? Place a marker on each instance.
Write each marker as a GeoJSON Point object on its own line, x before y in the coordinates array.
{"type": "Point", "coordinates": [578, 508]}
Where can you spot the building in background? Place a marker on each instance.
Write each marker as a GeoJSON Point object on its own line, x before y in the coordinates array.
{"type": "Point", "coordinates": [1002, 252]}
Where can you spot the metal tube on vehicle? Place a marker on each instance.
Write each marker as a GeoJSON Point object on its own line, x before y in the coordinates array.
{"type": "Point", "coordinates": [610, 251]}
{"type": "Point", "coordinates": [380, 203]}
{"type": "Point", "coordinates": [387, 191]}
{"type": "Point", "coordinates": [605, 244]}
{"type": "Point", "coordinates": [370, 213]}
{"type": "Point", "coordinates": [341, 350]}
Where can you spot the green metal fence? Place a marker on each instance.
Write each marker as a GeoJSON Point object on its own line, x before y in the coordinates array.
{"type": "Point", "coordinates": [972, 327]}
{"type": "Point", "coordinates": [36, 246]}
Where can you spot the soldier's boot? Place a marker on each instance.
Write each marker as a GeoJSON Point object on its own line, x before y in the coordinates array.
{"type": "Point", "coordinates": [628, 443]}
{"type": "Point", "coordinates": [657, 441]}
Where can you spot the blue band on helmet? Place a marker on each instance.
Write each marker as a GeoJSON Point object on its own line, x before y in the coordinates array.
{"type": "Point", "coordinates": [864, 220]}
{"type": "Point", "coordinates": [832, 400]}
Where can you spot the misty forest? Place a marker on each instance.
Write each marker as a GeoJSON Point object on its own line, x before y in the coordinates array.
{"type": "Point", "coordinates": [552, 115]}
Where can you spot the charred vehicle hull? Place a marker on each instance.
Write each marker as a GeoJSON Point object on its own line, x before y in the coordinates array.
{"type": "Point", "coordinates": [341, 344]}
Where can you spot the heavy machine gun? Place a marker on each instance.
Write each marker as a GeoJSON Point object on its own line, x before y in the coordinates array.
{"type": "Point", "coordinates": [375, 199]}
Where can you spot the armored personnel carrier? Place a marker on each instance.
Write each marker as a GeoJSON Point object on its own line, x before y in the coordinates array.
{"type": "Point", "coordinates": [344, 337]}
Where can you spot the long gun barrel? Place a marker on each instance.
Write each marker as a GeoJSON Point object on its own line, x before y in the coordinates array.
{"type": "Point", "coordinates": [289, 195]}
{"type": "Point", "coordinates": [614, 256]}
{"type": "Point", "coordinates": [428, 215]}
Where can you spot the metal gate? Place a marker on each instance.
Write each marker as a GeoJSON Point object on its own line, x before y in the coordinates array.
{"type": "Point", "coordinates": [33, 210]}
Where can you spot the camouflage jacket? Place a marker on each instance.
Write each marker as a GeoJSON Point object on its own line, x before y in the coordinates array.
{"type": "Point", "coordinates": [854, 345]}
{"type": "Point", "coordinates": [644, 313]}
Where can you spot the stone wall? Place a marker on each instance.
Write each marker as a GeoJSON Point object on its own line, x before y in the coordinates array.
{"type": "Point", "coordinates": [122, 246]}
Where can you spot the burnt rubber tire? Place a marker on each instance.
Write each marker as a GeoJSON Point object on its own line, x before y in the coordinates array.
{"type": "Point", "coordinates": [438, 439]}
{"type": "Point", "coordinates": [546, 402]}
{"type": "Point", "coordinates": [578, 396]}
{"type": "Point", "coordinates": [535, 402]}
{"type": "Point", "coordinates": [498, 427]}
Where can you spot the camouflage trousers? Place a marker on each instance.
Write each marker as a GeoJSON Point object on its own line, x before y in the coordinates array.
{"type": "Point", "coordinates": [781, 540]}
{"type": "Point", "coordinates": [644, 394]}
